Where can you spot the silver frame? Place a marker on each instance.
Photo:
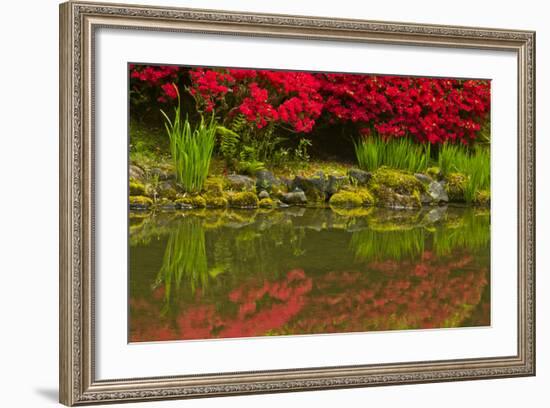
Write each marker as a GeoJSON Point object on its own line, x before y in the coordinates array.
{"type": "Point", "coordinates": [78, 22]}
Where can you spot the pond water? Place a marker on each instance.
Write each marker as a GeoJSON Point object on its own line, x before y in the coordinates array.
{"type": "Point", "coordinates": [243, 273]}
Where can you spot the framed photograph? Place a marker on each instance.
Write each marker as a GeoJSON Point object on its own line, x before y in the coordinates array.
{"type": "Point", "coordinates": [255, 203]}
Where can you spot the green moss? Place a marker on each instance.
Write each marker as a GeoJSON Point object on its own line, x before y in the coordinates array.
{"type": "Point", "coordinates": [187, 200]}
{"type": "Point", "coordinates": [266, 203]}
{"type": "Point", "coordinates": [434, 172]}
{"type": "Point", "coordinates": [314, 195]}
{"type": "Point", "coordinates": [366, 196]}
{"type": "Point", "coordinates": [244, 199]}
{"type": "Point", "coordinates": [346, 199]}
{"type": "Point", "coordinates": [169, 193]}
{"type": "Point", "coordinates": [136, 188]}
{"type": "Point", "coordinates": [396, 189]}
{"type": "Point", "coordinates": [456, 184]}
{"type": "Point", "coordinates": [213, 201]}
{"type": "Point", "coordinates": [196, 201]}
{"type": "Point", "coordinates": [199, 202]}
{"type": "Point", "coordinates": [483, 197]}
{"type": "Point", "coordinates": [358, 197]}
{"type": "Point", "coordinates": [140, 201]}
{"type": "Point", "coordinates": [214, 186]}
{"type": "Point", "coordinates": [397, 180]}
{"type": "Point", "coordinates": [277, 191]}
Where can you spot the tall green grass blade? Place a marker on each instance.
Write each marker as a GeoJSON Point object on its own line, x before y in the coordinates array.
{"type": "Point", "coordinates": [373, 152]}
{"type": "Point", "coordinates": [476, 165]}
{"type": "Point", "coordinates": [191, 149]}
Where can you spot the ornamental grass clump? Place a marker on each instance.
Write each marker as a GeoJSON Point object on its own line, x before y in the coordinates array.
{"type": "Point", "coordinates": [475, 165]}
{"type": "Point", "coordinates": [191, 149]}
{"type": "Point", "coordinates": [373, 152]}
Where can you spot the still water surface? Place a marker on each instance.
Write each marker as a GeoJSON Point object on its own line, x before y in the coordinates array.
{"type": "Point", "coordinates": [221, 274]}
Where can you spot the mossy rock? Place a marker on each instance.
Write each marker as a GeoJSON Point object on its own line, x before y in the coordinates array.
{"type": "Point", "coordinates": [455, 186]}
{"type": "Point", "coordinates": [366, 196]}
{"type": "Point", "coordinates": [196, 201]}
{"type": "Point", "coordinates": [137, 188]}
{"type": "Point", "coordinates": [483, 198]}
{"type": "Point", "coordinates": [214, 201]}
{"type": "Point", "coordinates": [140, 202]}
{"type": "Point", "coordinates": [184, 202]}
{"type": "Point", "coordinates": [399, 181]}
{"type": "Point", "coordinates": [166, 205]}
{"type": "Point", "coordinates": [267, 203]}
{"type": "Point", "coordinates": [136, 172]}
{"type": "Point", "coordinates": [240, 182]}
{"type": "Point", "coordinates": [214, 186]}
{"type": "Point", "coordinates": [199, 202]}
{"type": "Point", "coordinates": [314, 187]}
{"type": "Point", "coordinates": [336, 183]}
{"type": "Point", "coordinates": [244, 199]}
{"type": "Point", "coordinates": [396, 189]}
{"type": "Point", "coordinates": [276, 192]}
{"type": "Point", "coordinates": [346, 199]}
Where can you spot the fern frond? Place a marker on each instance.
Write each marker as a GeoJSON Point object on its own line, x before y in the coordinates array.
{"type": "Point", "coordinates": [229, 141]}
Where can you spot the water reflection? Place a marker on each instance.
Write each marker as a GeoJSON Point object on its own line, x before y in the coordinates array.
{"type": "Point", "coordinates": [217, 274]}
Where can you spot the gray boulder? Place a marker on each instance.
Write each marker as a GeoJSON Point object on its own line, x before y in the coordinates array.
{"type": "Point", "coordinates": [314, 187]}
{"type": "Point", "coordinates": [161, 174]}
{"type": "Point", "coordinates": [263, 194]}
{"type": "Point", "coordinates": [360, 177]}
{"type": "Point", "coordinates": [424, 178]}
{"type": "Point", "coordinates": [136, 172]}
{"type": "Point", "coordinates": [168, 189]}
{"type": "Point", "coordinates": [425, 199]}
{"type": "Point", "coordinates": [239, 182]}
{"type": "Point", "coordinates": [294, 197]}
{"type": "Point", "coordinates": [335, 183]}
{"type": "Point", "coordinates": [437, 192]}
{"type": "Point", "coordinates": [265, 180]}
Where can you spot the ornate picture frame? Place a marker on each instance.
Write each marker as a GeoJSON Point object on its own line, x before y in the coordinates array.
{"type": "Point", "coordinates": [78, 24]}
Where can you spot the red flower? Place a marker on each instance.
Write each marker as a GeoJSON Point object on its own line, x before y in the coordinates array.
{"type": "Point", "coordinates": [170, 90]}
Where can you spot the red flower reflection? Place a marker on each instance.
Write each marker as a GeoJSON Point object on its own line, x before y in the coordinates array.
{"type": "Point", "coordinates": [432, 293]}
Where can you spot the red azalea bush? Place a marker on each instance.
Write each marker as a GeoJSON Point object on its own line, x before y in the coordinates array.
{"type": "Point", "coordinates": [263, 97]}
{"type": "Point", "coordinates": [427, 109]}
{"type": "Point", "coordinates": [153, 83]}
